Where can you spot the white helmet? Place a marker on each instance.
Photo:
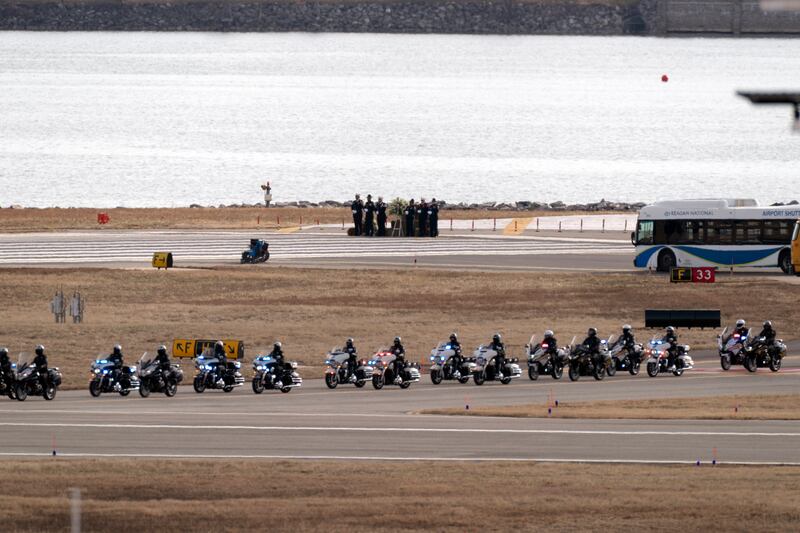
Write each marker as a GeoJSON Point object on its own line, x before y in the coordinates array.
{"type": "Point", "coordinates": [740, 323]}
{"type": "Point", "coordinates": [548, 333]}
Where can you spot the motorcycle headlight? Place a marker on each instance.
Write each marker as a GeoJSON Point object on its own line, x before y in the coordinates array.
{"type": "Point", "coordinates": [294, 364]}
{"type": "Point", "coordinates": [96, 370]}
{"type": "Point", "coordinates": [260, 367]}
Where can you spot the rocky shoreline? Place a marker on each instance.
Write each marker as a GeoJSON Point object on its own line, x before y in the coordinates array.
{"type": "Point", "coordinates": [602, 205]}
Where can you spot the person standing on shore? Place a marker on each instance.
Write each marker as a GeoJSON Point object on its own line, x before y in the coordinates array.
{"type": "Point", "coordinates": [381, 208]}
{"type": "Point", "coordinates": [358, 210]}
{"type": "Point", "coordinates": [267, 194]}
{"type": "Point", "coordinates": [422, 217]}
{"type": "Point", "coordinates": [369, 218]}
{"type": "Point", "coordinates": [433, 218]}
{"type": "Point", "coordinates": [411, 210]}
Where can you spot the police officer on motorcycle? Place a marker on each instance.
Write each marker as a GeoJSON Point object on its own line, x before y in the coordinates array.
{"type": "Point", "coordinates": [740, 329]}
{"type": "Point", "coordinates": [399, 362]}
{"type": "Point", "coordinates": [768, 333]}
{"type": "Point", "coordinates": [117, 359]}
{"type": "Point", "coordinates": [5, 368]}
{"type": "Point", "coordinates": [551, 342]}
{"type": "Point", "coordinates": [500, 359]}
{"type": "Point", "coordinates": [592, 345]}
{"type": "Point", "coordinates": [280, 361]}
{"type": "Point", "coordinates": [627, 340]}
{"type": "Point", "coordinates": [671, 339]}
{"type": "Point", "coordinates": [222, 360]}
{"type": "Point", "coordinates": [352, 359]}
{"type": "Point", "coordinates": [457, 359]}
{"type": "Point", "coordinates": [162, 358]}
{"type": "Point", "coordinates": [40, 362]}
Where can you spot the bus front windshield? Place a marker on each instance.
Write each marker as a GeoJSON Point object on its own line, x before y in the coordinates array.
{"type": "Point", "coordinates": [644, 232]}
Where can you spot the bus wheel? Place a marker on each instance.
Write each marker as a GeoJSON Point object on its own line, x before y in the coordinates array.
{"type": "Point", "coordinates": [785, 261]}
{"type": "Point", "coordinates": [666, 261]}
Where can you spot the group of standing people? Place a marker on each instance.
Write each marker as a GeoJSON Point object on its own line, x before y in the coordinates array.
{"type": "Point", "coordinates": [426, 216]}
{"type": "Point", "coordinates": [365, 215]}
{"type": "Point", "coordinates": [418, 219]}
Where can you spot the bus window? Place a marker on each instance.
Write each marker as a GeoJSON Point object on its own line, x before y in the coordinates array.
{"type": "Point", "coordinates": [776, 231]}
{"type": "Point", "coordinates": [719, 232]}
{"type": "Point", "coordinates": [644, 233]}
{"type": "Point", "coordinates": [695, 232]}
{"type": "Point", "coordinates": [748, 232]}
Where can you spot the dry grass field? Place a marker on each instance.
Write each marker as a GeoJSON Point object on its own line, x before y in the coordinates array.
{"type": "Point", "coordinates": [54, 219]}
{"type": "Point", "coordinates": [311, 310]}
{"type": "Point", "coordinates": [257, 495]}
{"type": "Point", "coordinates": [745, 407]}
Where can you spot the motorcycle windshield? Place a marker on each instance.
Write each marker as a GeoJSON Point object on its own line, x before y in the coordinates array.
{"type": "Point", "coordinates": [145, 360]}
{"type": "Point", "coordinates": [24, 360]}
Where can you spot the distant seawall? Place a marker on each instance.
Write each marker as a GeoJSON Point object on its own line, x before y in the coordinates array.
{"type": "Point", "coordinates": [513, 17]}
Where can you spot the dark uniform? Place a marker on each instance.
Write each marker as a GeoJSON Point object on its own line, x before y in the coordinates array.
{"type": "Point", "coordinates": [369, 218]}
{"type": "Point", "coordinates": [164, 364]}
{"type": "Point", "coordinates": [222, 359]}
{"type": "Point", "coordinates": [457, 359]}
{"type": "Point", "coordinates": [768, 333]}
{"type": "Point", "coordinates": [280, 360]}
{"type": "Point", "coordinates": [380, 207]}
{"type": "Point", "coordinates": [399, 362]}
{"type": "Point", "coordinates": [117, 359]}
{"type": "Point", "coordinates": [352, 360]}
{"type": "Point", "coordinates": [500, 359]}
{"type": "Point", "coordinates": [433, 218]}
{"type": "Point", "coordinates": [40, 362]}
{"type": "Point", "coordinates": [358, 212]}
{"type": "Point", "coordinates": [592, 345]}
{"type": "Point", "coordinates": [410, 211]}
{"type": "Point", "coordinates": [5, 367]}
{"type": "Point", "coordinates": [422, 218]}
{"type": "Point", "coordinates": [670, 338]}
{"type": "Point", "coordinates": [552, 345]}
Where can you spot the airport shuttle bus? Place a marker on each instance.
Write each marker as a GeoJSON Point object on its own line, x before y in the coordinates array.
{"type": "Point", "coordinates": [717, 233]}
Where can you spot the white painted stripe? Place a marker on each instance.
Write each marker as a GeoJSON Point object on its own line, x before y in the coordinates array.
{"type": "Point", "coordinates": [402, 430]}
{"type": "Point", "coordinates": [395, 458]}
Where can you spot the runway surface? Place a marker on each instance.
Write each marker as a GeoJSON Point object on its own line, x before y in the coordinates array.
{"type": "Point", "coordinates": [326, 248]}
{"type": "Point", "coordinates": [349, 423]}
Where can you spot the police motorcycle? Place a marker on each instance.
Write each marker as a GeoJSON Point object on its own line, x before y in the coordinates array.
{"type": "Point", "coordinates": [104, 379]}
{"type": "Point", "coordinates": [153, 379]}
{"type": "Point", "coordinates": [7, 382]}
{"type": "Point", "coordinates": [540, 362]}
{"type": "Point", "coordinates": [336, 370]}
{"type": "Point", "coordinates": [383, 372]}
{"type": "Point", "coordinates": [731, 348]}
{"type": "Point", "coordinates": [27, 383]}
{"type": "Point", "coordinates": [442, 365]}
{"type": "Point", "coordinates": [623, 358]}
{"type": "Point", "coordinates": [269, 374]}
{"type": "Point", "coordinates": [208, 378]}
{"type": "Point", "coordinates": [485, 369]}
{"type": "Point", "coordinates": [758, 354]}
{"type": "Point", "coordinates": [658, 358]}
{"type": "Point", "coordinates": [584, 363]}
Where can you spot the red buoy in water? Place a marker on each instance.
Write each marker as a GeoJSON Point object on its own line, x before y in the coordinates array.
{"type": "Point", "coordinates": [664, 78]}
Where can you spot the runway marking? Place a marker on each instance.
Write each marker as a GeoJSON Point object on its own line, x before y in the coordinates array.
{"type": "Point", "coordinates": [517, 226]}
{"type": "Point", "coordinates": [401, 430]}
{"type": "Point", "coordinates": [394, 458]}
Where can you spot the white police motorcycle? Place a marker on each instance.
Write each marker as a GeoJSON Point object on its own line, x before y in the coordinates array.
{"type": "Point", "coordinates": [486, 370]}
{"type": "Point", "coordinates": [442, 365]}
{"type": "Point", "coordinates": [658, 358]}
{"type": "Point", "coordinates": [336, 370]}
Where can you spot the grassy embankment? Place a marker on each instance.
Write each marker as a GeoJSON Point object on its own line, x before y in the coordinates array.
{"type": "Point", "coordinates": [54, 219]}
{"type": "Point", "coordinates": [122, 496]}
{"type": "Point", "coordinates": [744, 407]}
{"type": "Point", "coordinates": [312, 310]}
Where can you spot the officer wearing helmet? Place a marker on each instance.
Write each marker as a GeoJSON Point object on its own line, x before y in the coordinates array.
{"type": "Point", "coordinates": [627, 340]}
{"type": "Point", "coordinates": [222, 361]}
{"type": "Point", "coordinates": [592, 342]}
{"type": "Point", "coordinates": [352, 359]}
{"type": "Point", "coordinates": [162, 358]}
{"type": "Point", "coordinates": [500, 359]}
{"type": "Point", "coordinates": [399, 362]}
{"type": "Point", "coordinates": [550, 342]}
{"type": "Point", "coordinates": [457, 359]}
{"type": "Point", "coordinates": [280, 361]}
{"type": "Point", "coordinates": [117, 359]}
{"type": "Point", "coordinates": [768, 332]}
{"type": "Point", "coordinates": [670, 338]}
{"type": "Point", "coordinates": [40, 362]}
{"type": "Point", "coordinates": [741, 329]}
